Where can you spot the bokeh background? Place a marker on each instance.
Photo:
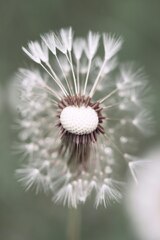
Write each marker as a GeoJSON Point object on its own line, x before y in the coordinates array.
{"type": "Point", "coordinates": [23, 215]}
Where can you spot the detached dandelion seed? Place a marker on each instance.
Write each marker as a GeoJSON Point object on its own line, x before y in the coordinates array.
{"type": "Point", "coordinates": [143, 202]}
{"type": "Point", "coordinates": [72, 117]}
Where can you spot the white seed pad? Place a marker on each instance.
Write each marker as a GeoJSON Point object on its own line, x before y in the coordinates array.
{"type": "Point", "coordinates": [79, 120]}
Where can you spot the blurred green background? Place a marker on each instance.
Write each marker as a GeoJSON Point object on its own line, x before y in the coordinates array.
{"type": "Point", "coordinates": [23, 215]}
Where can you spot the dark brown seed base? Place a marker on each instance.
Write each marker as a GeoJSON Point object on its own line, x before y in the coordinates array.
{"type": "Point", "coordinates": [78, 147]}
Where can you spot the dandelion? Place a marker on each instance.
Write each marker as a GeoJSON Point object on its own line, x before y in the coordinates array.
{"type": "Point", "coordinates": [76, 117]}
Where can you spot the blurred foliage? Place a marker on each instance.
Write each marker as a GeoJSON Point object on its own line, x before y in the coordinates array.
{"type": "Point", "coordinates": [23, 215]}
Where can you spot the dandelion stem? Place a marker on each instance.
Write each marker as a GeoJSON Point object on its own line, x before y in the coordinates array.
{"type": "Point", "coordinates": [73, 224]}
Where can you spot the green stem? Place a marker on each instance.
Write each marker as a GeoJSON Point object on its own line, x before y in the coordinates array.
{"type": "Point", "coordinates": [74, 224]}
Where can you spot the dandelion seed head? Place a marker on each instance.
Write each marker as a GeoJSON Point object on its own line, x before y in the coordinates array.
{"type": "Point", "coordinates": [72, 119]}
{"type": "Point", "coordinates": [75, 116]}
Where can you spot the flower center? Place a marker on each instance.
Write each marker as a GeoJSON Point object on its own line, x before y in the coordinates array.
{"type": "Point", "coordinates": [79, 120]}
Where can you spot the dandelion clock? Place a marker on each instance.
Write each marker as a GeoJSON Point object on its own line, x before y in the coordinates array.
{"type": "Point", "coordinates": [78, 112]}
